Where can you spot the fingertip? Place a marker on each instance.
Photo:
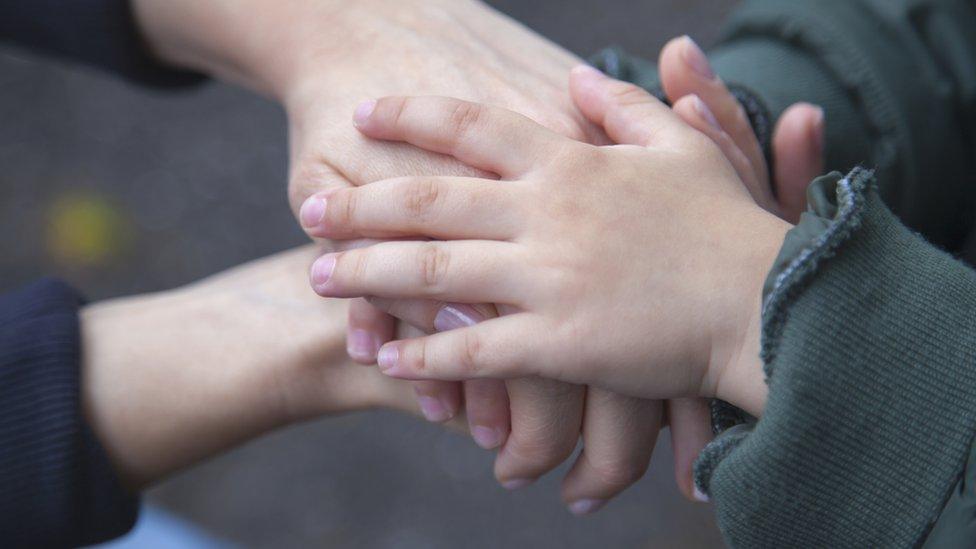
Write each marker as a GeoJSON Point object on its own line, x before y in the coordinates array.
{"type": "Point", "coordinates": [516, 483]}
{"type": "Point", "coordinates": [583, 88]}
{"type": "Point", "coordinates": [362, 346]}
{"type": "Point", "coordinates": [488, 438]}
{"type": "Point", "coordinates": [798, 146]}
{"type": "Point", "coordinates": [694, 105]}
{"type": "Point", "coordinates": [312, 212]}
{"type": "Point", "coordinates": [587, 72]}
{"type": "Point", "coordinates": [586, 506]}
{"type": "Point", "coordinates": [388, 358]}
{"type": "Point", "coordinates": [321, 272]}
{"type": "Point", "coordinates": [818, 128]}
{"type": "Point", "coordinates": [694, 57]}
{"type": "Point", "coordinates": [363, 112]}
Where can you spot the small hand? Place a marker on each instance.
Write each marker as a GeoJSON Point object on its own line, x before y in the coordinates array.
{"type": "Point", "coordinates": [687, 295]}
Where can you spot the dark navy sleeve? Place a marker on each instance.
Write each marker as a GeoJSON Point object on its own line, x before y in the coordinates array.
{"type": "Point", "coordinates": [99, 33]}
{"type": "Point", "coordinates": [57, 487]}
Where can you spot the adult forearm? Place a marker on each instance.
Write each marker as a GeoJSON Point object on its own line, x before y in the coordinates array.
{"type": "Point", "coordinates": [269, 46]}
{"type": "Point", "coordinates": [161, 390]}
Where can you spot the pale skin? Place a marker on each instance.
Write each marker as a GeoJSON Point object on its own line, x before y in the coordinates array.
{"type": "Point", "coordinates": [172, 378]}
{"type": "Point", "coordinates": [797, 140]}
{"type": "Point", "coordinates": [319, 58]}
{"type": "Point", "coordinates": [679, 317]}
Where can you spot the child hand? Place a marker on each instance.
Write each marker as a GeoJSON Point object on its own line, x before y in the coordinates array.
{"type": "Point", "coordinates": [550, 242]}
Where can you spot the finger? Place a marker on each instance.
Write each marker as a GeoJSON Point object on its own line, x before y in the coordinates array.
{"type": "Point", "coordinates": [626, 112]}
{"type": "Point", "coordinates": [487, 406]}
{"type": "Point", "coordinates": [685, 70]}
{"type": "Point", "coordinates": [495, 349]}
{"type": "Point", "coordinates": [691, 430]}
{"type": "Point", "coordinates": [466, 271]}
{"type": "Point", "coordinates": [697, 114]}
{"type": "Point", "coordinates": [619, 434]}
{"type": "Point", "coordinates": [369, 328]}
{"type": "Point", "coordinates": [485, 400]}
{"type": "Point", "coordinates": [439, 401]}
{"type": "Point", "coordinates": [438, 207]}
{"type": "Point", "coordinates": [482, 136]}
{"type": "Point", "coordinates": [798, 142]}
{"type": "Point", "coordinates": [546, 418]}
{"type": "Point", "coordinates": [434, 316]}
{"type": "Point", "coordinates": [309, 177]}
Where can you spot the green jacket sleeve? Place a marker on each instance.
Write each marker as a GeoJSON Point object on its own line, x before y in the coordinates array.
{"type": "Point", "coordinates": [896, 78]}
{"type": "Point", "coordinates": [869, 346]}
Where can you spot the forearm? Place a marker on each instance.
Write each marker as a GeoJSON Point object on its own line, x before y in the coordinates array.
{"type": "Point", "coordinates": [173, 378]}
{"type": "Point", "coordinates": [271, 46]}
{"type": "Point", "coordinates": [161, 387]}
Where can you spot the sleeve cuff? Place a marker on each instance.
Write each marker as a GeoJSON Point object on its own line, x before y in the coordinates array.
{"type": "Point", "coordinates": [58, 487]}
{"type": "Point", "coordinates": [99, 33]}
{"type": "Point", "coordinates": [869, 342]}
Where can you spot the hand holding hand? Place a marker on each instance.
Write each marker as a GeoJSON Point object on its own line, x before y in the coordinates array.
{"type": "Point", "coordinates": [558, 240]}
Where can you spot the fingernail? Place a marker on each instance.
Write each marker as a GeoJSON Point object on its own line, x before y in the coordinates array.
{"type": "Point", "coordinates": [696, 59]}
{"type": "Point", "coordinates": [433, 409]}
{"type": "Point", "coordinates": [582, 507]}
{"type": "Point", "coordinates": [700, 496]}
{"type": "Point", "coordinates": [363, 345]}
{"type": "Point", "coordinates": [363, 110]}
{"type": "Point", "coordinates": [703, 111]}
{"type": "Point", "coordinates": [455, 316]}
{"type": "Point", "coordinates": [486, 437]}
{"type": "Point", "coordinates": [587, 70]}
{"type": "Point", "coordinates": [312, 212]}
{"type": "Point", "coordinates": [322, 271]}
{"type": "Point", "coordinates": [387, 357]}
{"type": "Point", "coordinates": [516, 483]}
{"type": "Point", "coordinates": [819, 127]}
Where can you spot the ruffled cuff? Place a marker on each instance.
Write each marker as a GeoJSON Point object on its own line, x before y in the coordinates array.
{"type": "Point", "coordinates": [869, 347]}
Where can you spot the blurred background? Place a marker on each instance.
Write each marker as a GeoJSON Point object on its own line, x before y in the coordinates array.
{"type": "Point", "coordinates": [120, 190]}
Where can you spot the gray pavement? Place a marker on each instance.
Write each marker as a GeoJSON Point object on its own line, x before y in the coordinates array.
{"type": "Point", "coordinates": [141, 181]}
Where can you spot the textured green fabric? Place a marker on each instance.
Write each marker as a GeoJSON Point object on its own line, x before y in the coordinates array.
{"type": "Point", "coordinates": [956, 527]}
{"type": "Point", "coordinates": [869, 342]}
{"type": "Point", "coordinates": [896, 79]}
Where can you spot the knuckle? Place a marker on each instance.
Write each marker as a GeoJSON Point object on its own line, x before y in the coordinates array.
{"type": "Point", "coordinates": [306, 179]}
{"type": "Point", "coordinates": [342, 207]}
{"type": "Point", "coordinates": [420, 197]}
{"type": "Point", "coordinates": [626, 94]}
{"type": "Point", "coordinates": [434, 261]}
{"type": "Point", "coordinates": [398, 105]}
{"type": "Point", "coordinates": [466, 115]}
{"type": "Point", "coordinates": [617, 473]}
{"type": "Point", "coordinates": [539, 452]}
{"type": "Point", "coordinates": [470, 353]}
{"type": "Point", "coordinates": [355, 263]}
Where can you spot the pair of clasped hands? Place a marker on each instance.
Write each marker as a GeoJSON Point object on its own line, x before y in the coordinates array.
{"type": "Point", "coordinates": [567, 289]}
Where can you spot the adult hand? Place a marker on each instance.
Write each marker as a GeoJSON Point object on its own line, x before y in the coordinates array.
{"type": "Point", "coordinates": [169, 379]}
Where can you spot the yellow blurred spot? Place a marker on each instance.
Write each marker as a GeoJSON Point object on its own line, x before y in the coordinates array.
{"type": "Point", "coordinates": [85, 228]}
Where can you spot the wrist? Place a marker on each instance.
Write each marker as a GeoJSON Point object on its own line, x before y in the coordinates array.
{"type": "Point", "coordinates": [735, 370]}
{"type": "Point", "coordinates": [274, 48]}
{"type": "Point", "coordinates": [156, 389]}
